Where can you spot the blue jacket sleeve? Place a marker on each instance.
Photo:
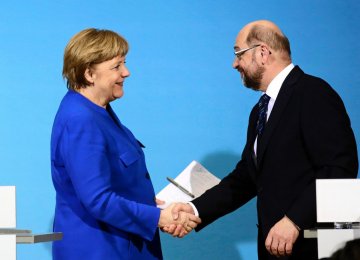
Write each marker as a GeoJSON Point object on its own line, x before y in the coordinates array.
{"type": "Point", "coordinates": [86, 160]}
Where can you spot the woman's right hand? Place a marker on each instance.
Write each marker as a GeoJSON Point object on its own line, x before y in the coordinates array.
{"type": "Point", "coordinates": [179, 227]}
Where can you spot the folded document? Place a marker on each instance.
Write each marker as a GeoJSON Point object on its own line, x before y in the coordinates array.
{"type": "Point", "coordinates": [194, 178]}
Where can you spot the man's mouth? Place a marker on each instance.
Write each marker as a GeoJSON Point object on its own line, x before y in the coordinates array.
{"type": "Point", "coordinates": [241, 73]}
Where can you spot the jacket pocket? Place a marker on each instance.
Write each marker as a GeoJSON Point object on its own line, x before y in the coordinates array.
{"type": "Point", "coordinates": [129, 157]}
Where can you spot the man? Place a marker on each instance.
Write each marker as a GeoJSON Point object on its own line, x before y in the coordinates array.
{"type": "Point", "coordinates": [297, 133]}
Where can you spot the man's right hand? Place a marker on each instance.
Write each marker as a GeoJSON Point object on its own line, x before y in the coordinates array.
{"type": "Point", "coordinates": [178, 209]}
{"type": "Point", "coordinates": [177, 220]}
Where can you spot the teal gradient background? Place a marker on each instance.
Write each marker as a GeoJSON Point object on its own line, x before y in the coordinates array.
{"type": "Point", "coordinates": [183, 100]}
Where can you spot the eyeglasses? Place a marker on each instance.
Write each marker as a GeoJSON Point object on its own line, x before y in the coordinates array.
{"type": "Point", "coordinates": [239, 53]}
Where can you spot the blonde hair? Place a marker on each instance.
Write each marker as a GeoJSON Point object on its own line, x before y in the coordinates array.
{"type": "Point", "coordinates": [88, 47]}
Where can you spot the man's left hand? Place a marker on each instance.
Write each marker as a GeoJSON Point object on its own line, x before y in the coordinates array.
{"type": "Point", "coordinates": [282, 237]}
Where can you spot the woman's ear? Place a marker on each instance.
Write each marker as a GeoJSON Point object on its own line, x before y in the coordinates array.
{"type": "Point", "coordinates": [89, 76]}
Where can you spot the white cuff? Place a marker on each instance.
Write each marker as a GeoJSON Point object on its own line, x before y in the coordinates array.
{"type": "Point", "coordinates": [194, 208]}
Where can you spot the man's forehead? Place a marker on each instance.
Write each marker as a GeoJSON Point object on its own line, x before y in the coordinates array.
{"type": "Point", "coordinates": [240, 42]}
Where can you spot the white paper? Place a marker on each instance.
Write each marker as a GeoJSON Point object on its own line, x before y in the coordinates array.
{"type": "Point", "coordinates": [195, 178]}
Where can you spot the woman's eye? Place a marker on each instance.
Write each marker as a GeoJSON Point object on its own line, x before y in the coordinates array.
{"type": "Point", "coordinates": [119, 65]}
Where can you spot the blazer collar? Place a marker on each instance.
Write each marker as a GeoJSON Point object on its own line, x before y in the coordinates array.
{"type": "Point", "coordinates": [279, 106]}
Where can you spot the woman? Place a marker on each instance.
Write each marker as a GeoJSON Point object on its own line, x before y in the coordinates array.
{"type": "Point", "coordinates": [104, 196]}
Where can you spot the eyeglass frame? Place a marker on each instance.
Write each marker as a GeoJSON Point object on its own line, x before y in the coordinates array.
{"type": "Point", "coordinates": [239, 53]}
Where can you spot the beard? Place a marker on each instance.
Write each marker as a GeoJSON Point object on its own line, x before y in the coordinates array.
{"type": "Point", "coordinates": [252, 80]}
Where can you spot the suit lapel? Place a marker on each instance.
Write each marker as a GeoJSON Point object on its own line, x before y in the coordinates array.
{"type": "Point", "coordinates": [276, 113]}
{"type": "Point", "coordinates": [130, 138]}
{"type": "Point", "coordinates": [252, 126]}
{"type": "Point", "coordinates": [251, 140]}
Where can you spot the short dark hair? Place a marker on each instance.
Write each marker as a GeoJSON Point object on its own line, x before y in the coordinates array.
{"type": "Point", "coordinates": [351, 251]}
{"type": "Point", "coordinates": [276, 41]}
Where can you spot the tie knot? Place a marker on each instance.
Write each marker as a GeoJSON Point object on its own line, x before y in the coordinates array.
{"type": "Point", "coordinates": [264, 100]}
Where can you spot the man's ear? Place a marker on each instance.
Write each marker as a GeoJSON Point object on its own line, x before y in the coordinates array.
{"type": "Point", "coordinates": [89, 76]}
{"type": "Point", "coordinates": [265, 53]}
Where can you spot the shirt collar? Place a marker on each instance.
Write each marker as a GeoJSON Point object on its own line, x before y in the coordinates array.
{"type": "Point", "coordinates": [275, 85]}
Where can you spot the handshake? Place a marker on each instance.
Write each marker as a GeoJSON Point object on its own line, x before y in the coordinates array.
{"type": "Point", "coordinates": [178, 219]}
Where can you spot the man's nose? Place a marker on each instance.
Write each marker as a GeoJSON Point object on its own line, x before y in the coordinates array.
{"type": "Point", "coordinates": [235, 63]}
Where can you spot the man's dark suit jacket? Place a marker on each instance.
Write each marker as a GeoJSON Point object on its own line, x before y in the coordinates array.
{"type": "Point", "coordinates": [308, 136]}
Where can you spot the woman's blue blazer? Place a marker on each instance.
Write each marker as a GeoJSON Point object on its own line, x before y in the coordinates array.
{"type": "Point", "coordinates": [104, 196]}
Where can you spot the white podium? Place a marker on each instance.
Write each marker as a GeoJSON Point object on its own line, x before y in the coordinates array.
{"type": "Point", "coordinates": [9, 235]}
{"type": "Point", "coordinates": [337, 201]}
